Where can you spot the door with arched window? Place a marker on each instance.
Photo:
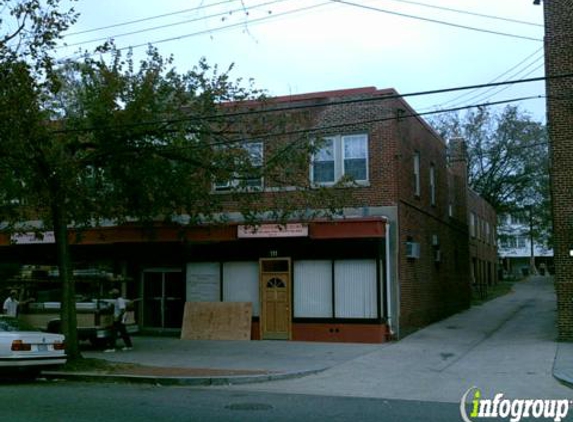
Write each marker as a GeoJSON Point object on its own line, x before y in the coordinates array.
{"type": "Point", "coordinates": [275, 299]}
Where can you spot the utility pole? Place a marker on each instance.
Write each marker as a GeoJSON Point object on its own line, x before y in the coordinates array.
{"type": "Point", "coordinates": [532, 267]}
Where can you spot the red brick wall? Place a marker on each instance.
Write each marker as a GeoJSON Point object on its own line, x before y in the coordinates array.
{"type": "Point", "coordinates": [559, 61]}
{"type": "Point", "coordinates": [483, 246]}
{"type": "Point", "coordinates": [430, 290]}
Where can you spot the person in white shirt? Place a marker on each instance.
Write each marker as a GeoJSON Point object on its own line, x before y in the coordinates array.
{"type": "Point", "coordinates": [11, 304]}
{"type": "Point", "coordinates": [119, 317]}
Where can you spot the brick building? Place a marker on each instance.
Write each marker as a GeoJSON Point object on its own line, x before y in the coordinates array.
{"type": "Point", "coordinates": [559, 86]}
{"type": "Point", "coordinates": [396, 258]}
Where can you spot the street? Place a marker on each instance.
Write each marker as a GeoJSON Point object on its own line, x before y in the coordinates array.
{"type": "Point", "coordinates": [49, 401]}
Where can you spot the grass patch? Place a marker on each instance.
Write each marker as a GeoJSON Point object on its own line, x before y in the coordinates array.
{"type": "Point", "coordinates": [96, 365]}
{"type": "Point", "coordinates": [492, 292]}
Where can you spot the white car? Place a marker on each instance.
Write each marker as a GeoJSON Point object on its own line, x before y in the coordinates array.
{"type": "Point", "coordinates": [24, 349]}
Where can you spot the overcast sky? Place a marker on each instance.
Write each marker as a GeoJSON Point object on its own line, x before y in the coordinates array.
{"type": "Point", "coordinates": [300, 46]}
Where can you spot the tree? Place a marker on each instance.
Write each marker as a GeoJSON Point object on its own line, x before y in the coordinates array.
{"type": "Point", "coordinates": [91, 140]}
{"type": "Point", "coordinates": [508, 161]}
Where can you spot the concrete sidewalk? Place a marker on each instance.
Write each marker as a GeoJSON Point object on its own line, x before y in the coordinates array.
{"type": "Point", "coordinates": [169, 361]}
{"type": "Point", "coordinates": [507, 344]}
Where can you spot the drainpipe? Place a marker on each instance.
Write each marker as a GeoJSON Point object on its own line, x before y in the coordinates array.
{"type": "Point", "coordinates": [389, 290]}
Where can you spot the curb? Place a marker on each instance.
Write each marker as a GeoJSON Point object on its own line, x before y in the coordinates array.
{"type": "Point", "coordinates": [563, 366]}
{"type": "Point", "coordinates": [176, 381]}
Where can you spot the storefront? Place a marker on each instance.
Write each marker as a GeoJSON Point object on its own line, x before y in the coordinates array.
{"type": "Point", "coordinates": [318, 281]}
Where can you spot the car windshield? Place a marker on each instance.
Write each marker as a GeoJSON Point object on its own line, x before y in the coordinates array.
{"type": "Point", "coordinates": [14, 324]}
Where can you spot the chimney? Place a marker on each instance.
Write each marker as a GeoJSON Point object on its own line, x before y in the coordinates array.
{"type": "Point", "coordinates": [458, 167]}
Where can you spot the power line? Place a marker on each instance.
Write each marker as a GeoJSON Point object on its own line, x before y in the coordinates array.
{"type": "Point", "coordinates": [484, 94]}
{"type": "Point", "coordinates": [455, 25]}
{"type": "Point", "coordinates": [332, 103]}
{"type": "Point", "coordinates": [221, 28]}
{"type": "Point", "coordinates": [178, 12]}
{"type": "Point", "coordinates": [468, 93]}
{"type": "Point", "coordinates": [187, 21]}
{"type": "Point", "coordinates": [466, 12]}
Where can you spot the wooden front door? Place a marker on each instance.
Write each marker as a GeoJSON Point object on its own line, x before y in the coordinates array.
{"type": "Point", "coordinates": [275, 281]}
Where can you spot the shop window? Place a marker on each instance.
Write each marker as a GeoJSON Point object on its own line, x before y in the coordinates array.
{"type": "Point", "coordinates": [241, 283]}
{"type": "Point", "coordinates": [355, 289]}
{"type": "Point", "coordinates": [312, 289]}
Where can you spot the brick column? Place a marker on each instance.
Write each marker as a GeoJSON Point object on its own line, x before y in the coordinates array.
{"type": "Point", "coordinates": [559, 61]}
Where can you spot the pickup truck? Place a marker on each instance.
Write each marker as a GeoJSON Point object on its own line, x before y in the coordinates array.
{"type": "Point", "coordinates": [94, 319]}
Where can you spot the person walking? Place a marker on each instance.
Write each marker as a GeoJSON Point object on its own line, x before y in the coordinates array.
{"type": "Point", "coordinates": [10, 307]}
{"type": "Point", "coordinates": [119, 317]}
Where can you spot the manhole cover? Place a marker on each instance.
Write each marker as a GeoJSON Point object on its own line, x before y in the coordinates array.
{"type": "Point", "coordinates": [248, 406]}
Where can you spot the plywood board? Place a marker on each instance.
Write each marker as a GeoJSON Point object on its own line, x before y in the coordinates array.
{"type": "Point", "coordinates": [217, 321]}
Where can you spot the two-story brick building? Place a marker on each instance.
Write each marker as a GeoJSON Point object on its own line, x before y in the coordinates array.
{"type": "Point", "coordinates": [396, 257]}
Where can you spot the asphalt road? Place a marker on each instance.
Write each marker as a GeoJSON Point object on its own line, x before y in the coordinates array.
{"type": "Point", "coordinates": [48, 401]}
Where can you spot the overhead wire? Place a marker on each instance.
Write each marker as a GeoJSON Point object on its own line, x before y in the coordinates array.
{"type": "Point", "coordinates": [332, 103]}
{"type": "Point", "coordinates": [470, 92]}
{"type": "Point", "coordinates": [169, 25]}
{"type": "Point", "coordinates": [149, 18]}
{"type": "Point", "coordinates": [441, 22]}
{"type": "Point", "coordinates": [251, 22]}
{"type": "Point", "coordinates": [467, 12]}
{"type": "Point", "coordinates": [520, 73]}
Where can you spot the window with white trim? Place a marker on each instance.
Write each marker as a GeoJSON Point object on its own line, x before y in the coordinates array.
{"type": "Point", "coordinates": [249, 162]}
{"type": "Point", "coordinates": [472, 225]}
{"type": "Point", "coordinates": [433, 184]}
{"type": "Point", "coordinates": [341, 156]}
{"type": "Point", "coordinates": [417, 173]}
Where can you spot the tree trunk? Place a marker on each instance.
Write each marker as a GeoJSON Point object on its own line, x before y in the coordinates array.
{"type": "Point", "coordinates": [68, 304]}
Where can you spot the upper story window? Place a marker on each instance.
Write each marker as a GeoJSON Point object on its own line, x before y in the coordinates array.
{"type": "Point", "coordinates": [248, 162]}
{"type": "Point", "coordinates": [472, 225]}
{"type": "Point", "coordinates": [417, 173]}
{"type": "Point", "coordinates": [341, 156]}
{"type": "Point", "coordinates": [433, 184]}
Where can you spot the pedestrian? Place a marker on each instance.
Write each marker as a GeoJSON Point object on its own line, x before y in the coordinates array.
{"type": "Point", "coordinates": [119, 317]}
{"type": "Point", "coordinates": [11, 304]}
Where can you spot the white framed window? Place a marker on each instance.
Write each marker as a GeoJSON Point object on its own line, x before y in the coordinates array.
{"type": "Point", "coordinates": [249, 161]}
{"type": "Point", "coordinates": [417, 173]}
{"type": "Point", "coordinates": [472, 225]}
{"type": "Point", "coordinates": [324, 163]}
{"type": "Point", "coordinates": [312, 289]}
{"type": "Point", "coordinates": [341, 156]}
{"type": "Point", "coordinates": [433, 184]}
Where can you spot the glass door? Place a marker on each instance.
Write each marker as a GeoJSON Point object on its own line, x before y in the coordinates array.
{"type": "Point", "coordinates": [163, 298]}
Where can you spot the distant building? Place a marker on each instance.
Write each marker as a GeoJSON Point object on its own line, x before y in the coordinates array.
{"type": "Point", "coordinates": [514, 246]}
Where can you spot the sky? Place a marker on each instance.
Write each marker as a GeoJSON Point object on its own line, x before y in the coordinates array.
{"type": "Point", "coordinates": [301, 46]}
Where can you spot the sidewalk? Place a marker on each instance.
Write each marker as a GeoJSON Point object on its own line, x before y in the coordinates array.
{"type": "Point", "coordinates": [507, 344]}
{"type": "Point", "coordinates": [563, 365]}
{"type": "Point", "coordinates": [170, 361]}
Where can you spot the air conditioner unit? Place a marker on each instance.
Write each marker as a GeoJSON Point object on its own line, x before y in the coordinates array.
{"type": "Point", "coordinates": [413, 250]}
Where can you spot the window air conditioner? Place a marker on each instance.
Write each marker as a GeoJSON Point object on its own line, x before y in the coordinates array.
{"type": "Point", "coordinates": [413, 250]}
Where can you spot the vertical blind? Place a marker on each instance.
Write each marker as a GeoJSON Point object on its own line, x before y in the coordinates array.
{"type": "Point", "coordinates": [355, 289]}
{"type": "Point", "coordinates": [241, 283]}
{"type": "Point", "coordinates": [313, 289]}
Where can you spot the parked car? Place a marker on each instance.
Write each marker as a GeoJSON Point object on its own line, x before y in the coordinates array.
{"type": "Point", "coordinates": [26, 350]}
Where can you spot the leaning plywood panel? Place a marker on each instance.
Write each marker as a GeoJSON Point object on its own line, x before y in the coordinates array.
{"type": "Point", "coordinates": [217, 321]}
